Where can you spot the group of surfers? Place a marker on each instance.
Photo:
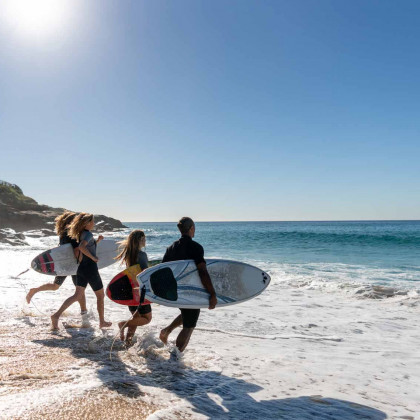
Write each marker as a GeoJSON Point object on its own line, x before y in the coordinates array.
{"type": "Point", "coordinates": [76, 229]}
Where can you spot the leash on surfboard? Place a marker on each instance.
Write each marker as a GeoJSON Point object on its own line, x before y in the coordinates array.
{"type": "Point", "coordinates": [23, 272]}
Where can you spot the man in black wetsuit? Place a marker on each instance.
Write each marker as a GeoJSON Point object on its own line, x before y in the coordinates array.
{"type": "Point", "coordinates": [187, 249]}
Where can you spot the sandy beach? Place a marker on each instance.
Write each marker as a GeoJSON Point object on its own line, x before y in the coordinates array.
{"type": "Point", "coordinates": [293, 352]}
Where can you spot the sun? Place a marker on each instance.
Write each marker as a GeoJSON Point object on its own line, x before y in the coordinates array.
{"type": "Point", "coordinates": [37, 18]}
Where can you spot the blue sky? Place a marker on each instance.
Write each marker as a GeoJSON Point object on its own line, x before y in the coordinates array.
{"type": "Point", "coordinates": [220, 110]}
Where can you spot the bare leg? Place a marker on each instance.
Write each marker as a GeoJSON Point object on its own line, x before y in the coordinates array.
{"type": "Point", "coordinates": [183, 338]}
{"type": "Point", "coordinates": [35, 290]}
{"type": "Point", "coordinates": [164, 334]}
{"type": "Point", "coordinates": [121, 326]}
{"type": "Point", "coordinates": [100, 296]}
{"type": "Point", "coordinates": [137, 321]}
{"type": "Point", "coordinates": [82, 303]}
{"type": "Point", "coordinates": [82, 300]}
{"type": "Point", "coordinates": [68, 302]}
{"type": "Point", "coordinates": [130, 334]}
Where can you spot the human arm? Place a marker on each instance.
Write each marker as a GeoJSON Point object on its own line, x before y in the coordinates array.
{"type": "Point", "coordinates": [207, 283]}
{"type": "Point", "coordinates": [197, 253]}
{"type": "Point", "coordinates": [76, 252]}
{"type": "Point", "coordinates": [100, 237]}
{"type": "Point", "coordinates": [83, 249]}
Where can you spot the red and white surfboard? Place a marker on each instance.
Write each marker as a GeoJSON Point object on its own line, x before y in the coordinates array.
{"type": "Point", "coordinates": [60, 261]}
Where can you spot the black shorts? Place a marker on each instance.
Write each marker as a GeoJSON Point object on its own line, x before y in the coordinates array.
{"type": "Point", "coordinates": [59, 280]}
{"type": "Point", "coordinates": [144, 309]}
{"type": "Point", "coordinates": [189, 317]}
{"type": "Point", "coordinates": [88, 273]}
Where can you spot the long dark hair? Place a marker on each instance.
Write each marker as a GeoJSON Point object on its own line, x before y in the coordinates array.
{"type": "Point", "coordinates": [130, 247]}
{"type": "Point", "coordinates": [63, 221]}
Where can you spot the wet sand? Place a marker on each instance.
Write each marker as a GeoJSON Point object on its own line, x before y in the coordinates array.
{"type": "Point", "coordinates": [99, 403]}
{"type": "Point", "coordinates": [38, 372]}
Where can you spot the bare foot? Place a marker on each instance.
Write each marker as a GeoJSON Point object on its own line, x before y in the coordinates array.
{"type": "Point", "coordinates": [121, 327]}
{"type": "Point", "coordinates": [54, 322]}
{"type": "Point", "coordinates": [129, 342]}
{"type": "Point", "coordinates": [164, 336]}
{"type": "Point", "coordinates": [30, 295]}
{"type": "Point", "coordinates": [130, 334]}
{"type": "Point", "coordinates": [105, 324]}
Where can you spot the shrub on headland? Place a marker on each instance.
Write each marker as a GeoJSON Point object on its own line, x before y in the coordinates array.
{"type": "Point", "coordinates": [23, 213]}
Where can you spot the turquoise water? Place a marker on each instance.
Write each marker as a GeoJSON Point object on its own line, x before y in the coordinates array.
{"type": "Point", "coordinates": [378, 252]}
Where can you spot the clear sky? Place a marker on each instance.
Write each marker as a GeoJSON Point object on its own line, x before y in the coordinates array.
{"type": "Point", "coordinates": [219, 110]}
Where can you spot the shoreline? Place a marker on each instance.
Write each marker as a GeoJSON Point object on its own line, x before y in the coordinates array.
{"type": "Point", "coordinates": [333, 356]}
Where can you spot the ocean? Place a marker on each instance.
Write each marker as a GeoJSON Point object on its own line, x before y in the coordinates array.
{"type": "Point", "coordinates": [324, 254]}
{"type": "Point", "coordinates": [335, 335]}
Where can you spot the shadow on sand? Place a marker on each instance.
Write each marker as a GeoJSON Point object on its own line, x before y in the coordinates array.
{"type": "Point", "coordinates": [209, 393]}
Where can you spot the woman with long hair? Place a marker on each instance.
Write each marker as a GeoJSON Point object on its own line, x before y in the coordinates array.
{"type": "Point", "coordinates": [132, 254]}
{"type": "Point", "coordinates": [62, 223]}
{"type": "Point", "coordinates": [87, 272]}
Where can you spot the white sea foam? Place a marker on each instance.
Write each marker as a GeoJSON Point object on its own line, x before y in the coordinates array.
{"type": "Point", "coordinates": [359, 281]}
{"type": "Point", "coordinates": [293, 352]}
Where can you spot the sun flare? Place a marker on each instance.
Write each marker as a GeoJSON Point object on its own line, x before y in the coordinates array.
{"type": "Point", "coordinates": [35, 17]}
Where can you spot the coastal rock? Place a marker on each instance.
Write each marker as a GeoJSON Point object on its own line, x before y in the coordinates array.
{"type": "Point", "coordinates": [102, 226]}
{"type": "Point", "coordinates": [11, 237]}
{"type": "Point", "coordinates": [39, 233]}
{"type": "Point", "coordinates": [107, 223]}
{"type": "Point", "coordinates": [22, 213]}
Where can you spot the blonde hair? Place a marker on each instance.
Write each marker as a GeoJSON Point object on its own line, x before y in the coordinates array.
{"type": "Point", "coordinates": [130, 247]}
{"type": "Point", "coordinates": [63, 221]}
{"type": "Point", "coordinates": [78, 225]}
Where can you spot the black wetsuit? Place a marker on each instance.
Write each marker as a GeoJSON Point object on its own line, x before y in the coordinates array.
{"type": "Point", "coordinates": [186, 249]}
{"type": "Point", "coordinates": [87, 272]}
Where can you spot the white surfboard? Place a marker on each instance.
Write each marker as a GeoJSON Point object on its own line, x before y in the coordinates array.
{"type": "Point", "coordinates": [178, 284]}
{"type": "Point", "coordinates": [60, 261]}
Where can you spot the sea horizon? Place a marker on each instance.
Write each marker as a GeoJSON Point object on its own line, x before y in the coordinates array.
{"type": "Point", "coordinates": [281, 221]}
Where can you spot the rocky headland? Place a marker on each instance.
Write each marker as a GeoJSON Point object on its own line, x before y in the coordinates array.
{"type": "Point", "coordinates": [20, 213]}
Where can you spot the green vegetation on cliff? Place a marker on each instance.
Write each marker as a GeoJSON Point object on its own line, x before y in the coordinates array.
{"type": "Point", "coordinates": [12, 195]}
